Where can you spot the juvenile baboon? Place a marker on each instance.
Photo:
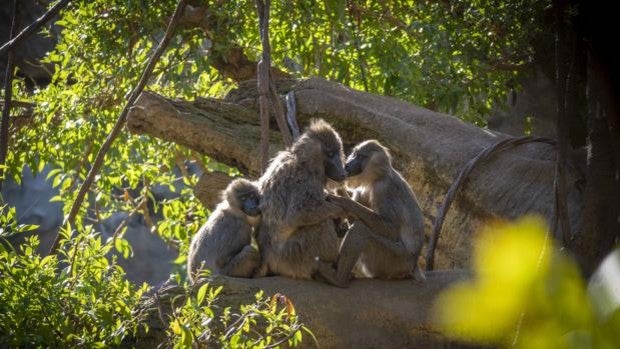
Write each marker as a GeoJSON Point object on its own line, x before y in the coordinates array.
{"type": "Point", "coordinates": [223, 244]}
{"type": "Point", "coordinates": [296, 226]}
{"type": "Point", "coordinates": [386, 237]}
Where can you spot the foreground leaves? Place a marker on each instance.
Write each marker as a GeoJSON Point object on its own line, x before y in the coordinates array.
{"type": "Point", "coordinates": [525, 293]}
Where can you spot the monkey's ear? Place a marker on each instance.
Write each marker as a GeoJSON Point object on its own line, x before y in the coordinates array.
{"type": "Point", "coordinates": [312, 150]}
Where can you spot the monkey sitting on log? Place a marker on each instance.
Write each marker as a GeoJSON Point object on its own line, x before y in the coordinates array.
{"type": "Point", "coordinates": [223, 243]}
{"type": "Point", "coordinates": [297, 224]}
{"type": "Point", "coordinates": [387, 234]}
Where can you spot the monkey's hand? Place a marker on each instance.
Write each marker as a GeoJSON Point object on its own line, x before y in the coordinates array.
{"type": "Point", "coordinates": [335, 210]}
{"type": "Point", "coordinates": [343, 203]}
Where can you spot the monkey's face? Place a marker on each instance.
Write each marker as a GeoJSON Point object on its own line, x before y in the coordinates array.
{"type": "Point", "coordinates": [356, 163]}
{"type": "Point", "coordinates": [243, 195]}
{"type": "Point", "coordinates": [250, 203]}
{"type": "Point", "coordinates": [334, 169]}
{"type": "Point", "coordinates": [368, 158]}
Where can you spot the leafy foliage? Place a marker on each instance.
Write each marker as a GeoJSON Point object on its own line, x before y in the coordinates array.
{"type": "Point", "coordinates": [45, 302]}
{"type": "Point", "coordinates": [444, 55]}
{"type": "Point", "coordinates": [459, 57]}
{"type": "Point", "coordinates": [525, 293]}
{"type": "Point", "coordinates": [261, 324]}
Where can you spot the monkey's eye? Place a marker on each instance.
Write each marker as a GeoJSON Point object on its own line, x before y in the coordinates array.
{"type": "Point", "coordinates": [331, 154]}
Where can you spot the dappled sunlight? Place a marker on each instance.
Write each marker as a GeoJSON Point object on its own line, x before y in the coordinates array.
{"type": "Point", "coordinates": [524, 292]}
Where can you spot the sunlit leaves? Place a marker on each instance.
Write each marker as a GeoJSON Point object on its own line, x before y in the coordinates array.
{"type": "Point", "coordinates": [265, 322]}
{"type": "Point", "coordinates": [46, 303]}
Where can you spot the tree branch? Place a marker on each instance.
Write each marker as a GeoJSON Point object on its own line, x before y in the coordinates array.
{"type": "Point", "coordinates": [487, 153]}
{"type": "Point", "coordinates": [266, 88]}
{"type": "Point", "coordinates": [8, 95]}
{"type": "Point", "coordinates": [560, 226]}
{"type": "Point", "coordinates": [24, 34]}
{"type": "Point", "coordinates": [428, 148]}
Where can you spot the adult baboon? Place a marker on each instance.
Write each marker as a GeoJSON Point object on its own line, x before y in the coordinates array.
{"type": "Point", "coordinates": [296, 226]}
{"type": "Point", "coordinates": [386, 237]}
{"type": "Point", "coordinates": [223, 244]}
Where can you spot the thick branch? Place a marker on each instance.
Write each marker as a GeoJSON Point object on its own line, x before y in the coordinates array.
{"type": "Point", "coordinates": [402, 319]}
{"type": "Point", "coordinates": [429, 149]}
{"type": "Point", "coordinates": [209, 187]}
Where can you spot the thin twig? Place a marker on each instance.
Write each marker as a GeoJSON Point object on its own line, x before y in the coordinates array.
{"type": "Point", "coordinates": [358, 46]}
{"type": "Point", "coordinates": [8, 95]}
{"type": "Point", "coordinates": [24, 34]}
{"type": "Point", "coordinates": [262, 83]}
{"type": "Point", "coordinates": [125, 221]}
{"type": "Point", "coordinates": [120, 122]}
{"type": "Point", "coordinates": [267, 91]}
{"type": "Point", "coordinates": [279, 113]}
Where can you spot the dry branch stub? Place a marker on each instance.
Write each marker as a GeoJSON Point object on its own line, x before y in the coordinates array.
{"type": "Point", "coordinates": [210, 186]}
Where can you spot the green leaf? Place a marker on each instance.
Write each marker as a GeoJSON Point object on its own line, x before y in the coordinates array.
{"type": "Point", "coordinates": [202, 291]}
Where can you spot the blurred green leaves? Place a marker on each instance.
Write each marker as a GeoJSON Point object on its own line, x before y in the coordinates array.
{"type": "Point", "coordinates": [525, 292]}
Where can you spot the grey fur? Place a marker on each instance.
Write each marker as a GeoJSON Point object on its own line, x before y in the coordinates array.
{"type": "Point", "coordinates": [297, 226]}
{"type": "Point", "coordinates": [386, 237]}
{"type": "Point", "coordinates": [223, 243]}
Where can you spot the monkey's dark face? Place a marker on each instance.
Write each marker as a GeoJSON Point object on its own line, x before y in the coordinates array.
{"type": "Point", "coordinates": [367, 154]}
{"type": "Point", "coordinates": [250, 203]}
{"type": "Point", "coordinates": [334, 169]}
{"type": "Point", "coordinates": [321, 141]}
{"type": "Point", "coordinates": [356, 162]}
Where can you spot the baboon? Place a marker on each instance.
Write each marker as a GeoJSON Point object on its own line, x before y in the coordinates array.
{"type": "Point", "coordinates": [223, 244]}
{"type": "Point", "coordinates": [297, 224]}
{"type": "Point", "coordinates": [386, 237]}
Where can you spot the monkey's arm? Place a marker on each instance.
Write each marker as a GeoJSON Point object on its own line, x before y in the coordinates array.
{"type": "Point", "coordinates": [243, 264]}
{"type": "Point", "coordinates": [376, 222]}
{"type": "Point", "coordinates": [314, 212]}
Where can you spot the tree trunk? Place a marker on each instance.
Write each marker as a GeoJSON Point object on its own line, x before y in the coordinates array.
{"type": "Point", "coordinates": [429, 148]}
{"type": "Point", "coordinates": [602, 188]}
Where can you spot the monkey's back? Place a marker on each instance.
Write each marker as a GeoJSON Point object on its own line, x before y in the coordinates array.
{"type": "Point", "coordinates": [394, 199]}
{"type": "Point", "coordinates": [289, 186]}
{"type": "Point", "coordinates": [223, 235]}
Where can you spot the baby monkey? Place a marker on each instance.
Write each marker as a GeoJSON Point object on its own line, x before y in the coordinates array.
{"type": "Point", "coordinates": [224, 243]}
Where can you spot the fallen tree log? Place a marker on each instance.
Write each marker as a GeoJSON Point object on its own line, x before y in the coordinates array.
{"type": "Point", "coordinates": [369, 314]}
{"type": "Point", "coordinates": [429, 148]}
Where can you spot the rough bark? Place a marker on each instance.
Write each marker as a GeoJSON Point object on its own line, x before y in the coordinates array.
{"type": "Point", "coordinates": [361, 316]}
{"type": "Point", "coordinates": [429, 149]}
{"type": "Point", "coordinates": [601, 199]}
{"type": "Point", "coordinates": [210, 186]}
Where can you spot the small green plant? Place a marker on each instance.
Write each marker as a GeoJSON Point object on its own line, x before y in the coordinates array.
{"type": "Point", "coordinates": [268, 322]}
{"type": "Point", "coordinates": [9, 225]}
{"type": "Point", "coordinates": [47, 302]}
